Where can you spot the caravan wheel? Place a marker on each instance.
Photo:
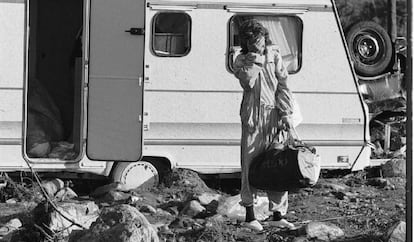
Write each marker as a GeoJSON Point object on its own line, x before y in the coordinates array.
{"type": "Point", "coordinates": [140, 174]}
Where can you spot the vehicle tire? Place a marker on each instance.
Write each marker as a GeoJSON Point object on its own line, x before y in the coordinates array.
{"type": "Point", "coordinates": [370, 48]}
{"type": "Point", "coordinates": [140, 174]}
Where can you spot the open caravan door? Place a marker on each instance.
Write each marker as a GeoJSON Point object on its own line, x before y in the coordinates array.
{"type": "Point", "coordinates": [115, 98]}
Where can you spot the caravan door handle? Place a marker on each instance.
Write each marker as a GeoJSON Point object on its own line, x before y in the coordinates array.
{"type": "Point", "coordinates": [136, 31]}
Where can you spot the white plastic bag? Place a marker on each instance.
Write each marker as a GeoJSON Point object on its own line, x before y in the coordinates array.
{"type": "Point", "coordinates": [231, 208]}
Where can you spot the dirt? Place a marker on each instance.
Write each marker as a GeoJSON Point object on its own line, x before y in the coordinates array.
{"type": "Point", "coordinates": [364, 207]}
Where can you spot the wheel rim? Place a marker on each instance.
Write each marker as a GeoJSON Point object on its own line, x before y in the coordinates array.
{"type": "Point", "coordinates": [368, 47]}
{"type": "Point", "coordinates": [140, 174]}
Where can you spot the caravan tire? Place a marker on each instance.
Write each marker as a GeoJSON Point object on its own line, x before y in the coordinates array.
{"type": "Point", "coordinates": [140, 174]}
{"type": "Point", "coordinates": [370, 48]}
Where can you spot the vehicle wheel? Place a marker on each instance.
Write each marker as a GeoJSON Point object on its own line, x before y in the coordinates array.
{"type": "Point", "coordinates": [140, 174]}
{"type": "Point", "coordinates": [370, 48]}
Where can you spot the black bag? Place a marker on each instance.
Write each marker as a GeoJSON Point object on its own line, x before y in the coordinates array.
{"type": "Point", "coordinates": [295, 166]}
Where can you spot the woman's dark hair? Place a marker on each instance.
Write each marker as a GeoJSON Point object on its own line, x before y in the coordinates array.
{"type": "Point", "coordinates": [249, 31]}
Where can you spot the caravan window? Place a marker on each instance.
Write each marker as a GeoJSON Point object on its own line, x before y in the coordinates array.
{"type": "Point", "coordinates": [284, 31]}
{"type": "Point", "coordinates": [171, 34]}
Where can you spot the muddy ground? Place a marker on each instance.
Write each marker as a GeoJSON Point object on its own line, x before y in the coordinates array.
{"type": "Point", "coordinates": [362, 204]}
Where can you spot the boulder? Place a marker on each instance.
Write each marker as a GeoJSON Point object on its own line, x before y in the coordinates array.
{"type": "Point", "coordinates": [193, 208]}
{"type": "Point", "coordinates": [322, 231]}
{"type": "Point", "coordinates": [396, 233]}
{"type": "Point", "coordinates": [207, 198]}
{"type": "Point", "coordinates": [83, 213]}
{"type": "Point", "coordinates": [394, 167]}
{"type": "Point", "coordinates": [122, 223]}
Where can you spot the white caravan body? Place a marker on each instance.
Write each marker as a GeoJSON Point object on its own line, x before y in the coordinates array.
{"type": "Point", "coordinates": [164, 89]}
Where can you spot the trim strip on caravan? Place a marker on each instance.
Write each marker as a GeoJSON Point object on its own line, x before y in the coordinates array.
{"type": "Point", "coordinates": [260, 7]}
{"type": "Point", "coordinates": [10, 141]}
{"type": "Point", "coordinates": [12, 1]}
{"type": "Point", "coordinates": [236, 142]}
{"type": "Point", "coordinates": [266, 10]}
{"type": "Point", "coordinates": [241, 91]}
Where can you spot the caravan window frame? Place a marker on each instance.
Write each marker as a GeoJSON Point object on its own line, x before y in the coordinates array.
{"type": "Point", "coordinates": [188, 34]}
{"type": "Point", "coordinates": [231, 52]}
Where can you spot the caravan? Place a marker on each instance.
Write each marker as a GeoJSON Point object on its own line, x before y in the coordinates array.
{"type": "Point", "coordinates": [130, 89]}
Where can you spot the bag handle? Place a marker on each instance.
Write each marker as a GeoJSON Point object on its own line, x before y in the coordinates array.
{"type": "Point", "coordinates": [290, 139]}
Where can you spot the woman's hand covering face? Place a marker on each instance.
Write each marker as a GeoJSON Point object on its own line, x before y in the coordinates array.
{"type": "Point", "coordinates": [257, 45]}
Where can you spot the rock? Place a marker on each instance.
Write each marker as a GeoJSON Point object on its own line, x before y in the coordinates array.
{"type": "Point", "coordinates": [11, 201]}
{"type": "Point", "coordinates": [65, 194]}
{"type": "Point", "coordinates": [378, 182]}
{"type": "Point", "coordinates": [10, 226]}
{"type": "Point", "coordinates": [394, 167]}
{"type": "Point", "coordinates": [134, 199]}
{"type": "Point", "coordinates": [116, 196]}
{"type": "Point", "coordinates": [115, 186]}
{"type": "Point", "coordinates": [81, 212]}
{"type": "Point", "coordinates": [207, 198]}
{"type": "Point", "coordinates": [322, 231]}
{"type": "Point", "coordinates": [122, 223]}
{"type": "Point", "coordinates": [147, 209]}
{"type": "Point", "coordinates": [193, 208]}
{"type": "Point", "coordinates": [400, 206]}
{"type": "Point", "coordinates": [53, 186]}
{"type": "Point", "coordinates": [397, 232]}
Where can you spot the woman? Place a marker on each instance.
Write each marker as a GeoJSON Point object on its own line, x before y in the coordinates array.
{"type": "Point", "coordinates": [266, 101]}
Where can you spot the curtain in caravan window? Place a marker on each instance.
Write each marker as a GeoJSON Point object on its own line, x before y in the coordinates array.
{"type": "Point", "coordinates": [284, 31]}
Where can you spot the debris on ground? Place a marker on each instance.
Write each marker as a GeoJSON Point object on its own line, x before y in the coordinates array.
{"type": "Point", "coordinates": [358, 206]}
{"type": "Point", "coordinates": [66, 217]}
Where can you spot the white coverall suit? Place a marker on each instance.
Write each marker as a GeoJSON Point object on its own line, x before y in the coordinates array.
{"type": "Point", "coordinates": [266, 98]}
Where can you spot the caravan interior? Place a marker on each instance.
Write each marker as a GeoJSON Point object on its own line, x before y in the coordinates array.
{"type": "Point", "coordinates": [54, 80]}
